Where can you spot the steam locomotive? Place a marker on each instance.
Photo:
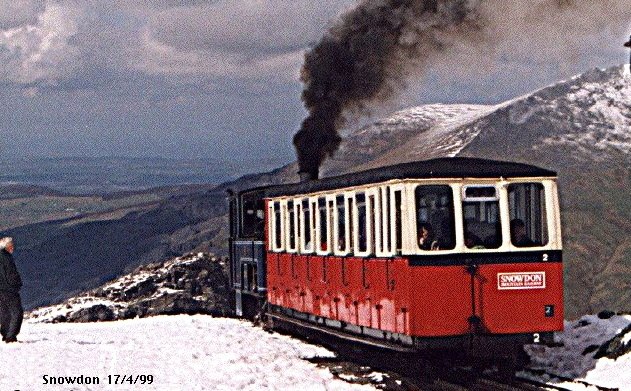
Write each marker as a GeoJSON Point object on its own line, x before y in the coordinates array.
{"type": "Point", "coordinates": [449, 253]}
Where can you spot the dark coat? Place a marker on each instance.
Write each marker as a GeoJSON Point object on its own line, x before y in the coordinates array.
{"type": "Point", "coordinates": [10, 279]}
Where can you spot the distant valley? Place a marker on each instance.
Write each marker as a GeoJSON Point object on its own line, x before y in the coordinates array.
{"type": "Point", "coordinates": [104, 175]}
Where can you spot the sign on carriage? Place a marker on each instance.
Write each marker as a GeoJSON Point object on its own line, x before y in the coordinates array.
{"type": "Point", "coordinates": [529, 280]}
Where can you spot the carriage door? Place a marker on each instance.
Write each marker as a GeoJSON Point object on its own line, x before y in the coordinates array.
{"type": "Point", "coordinates": [519, 288]}
{"type": "Point", "coordinates": [482, 231]}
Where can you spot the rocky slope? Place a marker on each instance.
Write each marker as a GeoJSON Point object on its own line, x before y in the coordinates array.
{"type": "Point", "coordinates": [579, 127]}
{"type": "Point", "coordinates": [192, 284]}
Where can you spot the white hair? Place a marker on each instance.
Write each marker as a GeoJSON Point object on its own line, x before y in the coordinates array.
{"type": "Point", "coordinates": [4, 242]}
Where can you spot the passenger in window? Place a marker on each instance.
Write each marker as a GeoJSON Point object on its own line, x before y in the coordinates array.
{"type": "Point", "coordinates": [426, 238]}
{"type": "Point", "coordinates": [341, 244]}
{"type": "Point", "coordinates": [473, 241]}
{"type": "Point", "coordinates": [519, 237]}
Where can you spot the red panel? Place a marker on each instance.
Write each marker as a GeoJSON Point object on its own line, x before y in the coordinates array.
{"type": "Point", "coordinates": [401, 285]}
{"type": "Point", "coordinates": [423, 301]}
{"type": "Point", "coordinates": [440, 300]}
{"type": "Point", "coordinates": [313, 281]}
{"type": "Point", "coordinates": [520, 310]}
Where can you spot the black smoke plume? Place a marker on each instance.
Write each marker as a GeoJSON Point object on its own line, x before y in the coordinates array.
{"type": "Point", "coordinates": [368, 54]}
{"type": "Point", "coordinates": [360, 59]}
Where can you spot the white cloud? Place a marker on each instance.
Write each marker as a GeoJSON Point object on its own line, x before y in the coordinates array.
{"type": "Point", "coordinates": [41, 51]}
{"type": "Point", "coordinates": [60, 40]}
{"type": "Point", "coordinates": [246, 38]}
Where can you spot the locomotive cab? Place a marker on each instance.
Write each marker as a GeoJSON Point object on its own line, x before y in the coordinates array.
{"type": "Point", "coordinates": [247, 255]}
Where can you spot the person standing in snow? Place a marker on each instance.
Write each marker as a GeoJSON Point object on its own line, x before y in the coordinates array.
{"type": "Point", "coordinates": [11, 311]}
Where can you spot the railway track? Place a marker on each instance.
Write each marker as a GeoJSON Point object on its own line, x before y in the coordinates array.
{"type": "Point", "coordinates": [397, 376]}
{"type": "Point", "coordinates": [406, 370]}
{"type": "Point", "coordinates": [403, 371]}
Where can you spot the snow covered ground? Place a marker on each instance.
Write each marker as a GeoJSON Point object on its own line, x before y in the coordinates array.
{"type": "Point", "coordinates": [180, 352]}
{"type": "Point", "coordinates": [572, 361]}
{"type": "Point", "coordinates": [205, 353]}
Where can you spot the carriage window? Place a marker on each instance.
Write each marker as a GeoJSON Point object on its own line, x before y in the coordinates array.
{"type": "Point", "coordinates": [253, 218]}
{"type": "Point", "coordinates": [291, 226]}
{"type": "Point", "coordinates": [372, 214]}
{"type": "Point", "coordinates": [331, 228]}
{"type": "Point", "coordinates": [435, 218]}
{"type": "Point", "coordinates": [398, 222]}
{"type": "Point", "coordinates": [385, 231]}
{"type": "Point", "coordinates": [362, 241]}
{"type": "Point", "coordinates": [323, 224]}
{"type": "Point", "coordinates": [481, 213]}
{"type": "Point", "coordinates": [278, 237]}
{"type": "Point", "coordinates": [306, 226]}
{"type": "Point", "coordinates": [351, 225]}
{"type": "Point", "coordinates": [527, 211]}
{"type": "Point", "coordinates": [341, 223]}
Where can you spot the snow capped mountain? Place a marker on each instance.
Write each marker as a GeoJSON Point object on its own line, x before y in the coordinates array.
{"type": "Point", "coordinates": [419, 128]}
{"type": "Point", "coordinates": [588, 116]}
{"type": "Point", "coordinates": [603, 97]}
{"type": "Point", "coordinates": [590, 113]}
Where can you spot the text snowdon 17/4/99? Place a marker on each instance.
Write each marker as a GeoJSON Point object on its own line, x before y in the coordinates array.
{"type": "Point", "coordinates": [94, 380]}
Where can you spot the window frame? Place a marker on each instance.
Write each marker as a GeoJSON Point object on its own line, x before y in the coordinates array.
{"type": "Point", "coordinates": [288, 225]}
{"type": "Point", "coordinates": [357, 252]}
{"type": "Point", "coordinates": [385, 248]}
{"type": "Point", "coordinates": [276, 223]}
{"type": "Point", "coordinates": [454, 214]}
{"type": "Point", "coordinates": [318, 225]}
{"type": "Point", "coordinates": [303, 228]}
{"type": "Point", "coordinates": [501, 197]}
{"type": "Point", "coordinates": [386, 215]}
{"type": "Point", "coordinates": [552, 212]}
{"type": "Point", "coordinates": [336, 234]}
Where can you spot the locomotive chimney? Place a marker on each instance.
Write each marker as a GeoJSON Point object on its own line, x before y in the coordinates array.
{"type": "Point", "coordinates": [306, 176]}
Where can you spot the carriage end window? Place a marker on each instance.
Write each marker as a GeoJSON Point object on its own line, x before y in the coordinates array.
{"type": "Point", "coordinates": [481, 214]}
{"type": "Point", "coordinates": [527, 210]}
{"type": "Point", "coordinates": [435, 218]}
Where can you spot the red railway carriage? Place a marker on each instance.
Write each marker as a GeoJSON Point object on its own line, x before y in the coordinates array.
{"type": "Point", "coordinates": [445, 253]}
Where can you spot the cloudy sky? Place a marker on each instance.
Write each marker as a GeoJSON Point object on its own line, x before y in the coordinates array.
{"type": "Point", "coordinates": [195, 78]}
